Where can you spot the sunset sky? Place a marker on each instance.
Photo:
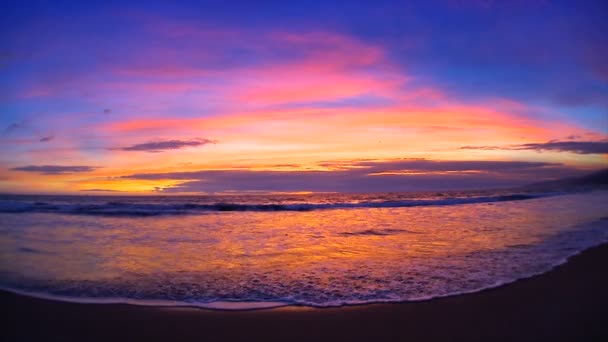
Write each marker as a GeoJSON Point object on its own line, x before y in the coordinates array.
{"type": "Point", "coordinates": [285, 96]}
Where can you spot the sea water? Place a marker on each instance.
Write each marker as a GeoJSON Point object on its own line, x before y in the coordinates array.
{"type": "Point", "coordinates": [259, 251]}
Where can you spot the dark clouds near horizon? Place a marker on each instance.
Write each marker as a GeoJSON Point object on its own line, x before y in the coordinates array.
{"type": "Point", "coordinates": [580, 147]}
{"type": "Point", "coordinates": [54, 169]}
{"type": "Point", "coordinates": [163, 145]}
{"type": "Point", "coordinates": [370, 176]}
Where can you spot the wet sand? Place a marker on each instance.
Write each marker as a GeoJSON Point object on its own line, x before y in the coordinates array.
{"type": "Point", "coordinates": [569, 303]}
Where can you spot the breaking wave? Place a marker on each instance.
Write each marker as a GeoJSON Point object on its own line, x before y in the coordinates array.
{"type": "Point", "coordinates": [117, 208]}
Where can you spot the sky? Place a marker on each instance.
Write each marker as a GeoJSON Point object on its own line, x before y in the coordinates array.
{"type": "Point", "coordinates": [299, 96]}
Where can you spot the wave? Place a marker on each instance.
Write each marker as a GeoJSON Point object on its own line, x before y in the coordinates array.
{"type": "Point", "coordinates": [234, 304]}
{"type": "Point", "coordinates": [338, 282]}
{"type": "Point", "coordinates": [155, 209]}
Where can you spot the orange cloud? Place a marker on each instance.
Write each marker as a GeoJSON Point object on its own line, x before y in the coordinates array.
{"type": "Point", "coordinates": [391, 132]}
{"type": "Point", "coordinates": [297, 111]}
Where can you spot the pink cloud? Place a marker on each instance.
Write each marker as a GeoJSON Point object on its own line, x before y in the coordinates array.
{"type": "Point", "coordinates": [304, 67]}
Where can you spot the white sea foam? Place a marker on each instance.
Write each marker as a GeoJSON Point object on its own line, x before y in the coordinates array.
{"type": "Point", "coordinates": [142, 206]}
{"type": "Point", "coordinates": [254, 260]}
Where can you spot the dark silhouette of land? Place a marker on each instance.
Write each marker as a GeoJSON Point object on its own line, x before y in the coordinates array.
{"type": "Point", "coordinates": [595, 180]}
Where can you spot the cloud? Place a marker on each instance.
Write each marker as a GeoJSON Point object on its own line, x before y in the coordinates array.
{"type": "Point", "coordinates": [483, 148]}
{"type": "Point", "coordinates": [368, 176]}
{"type": "Point", "coordinates": [163, 145]}
{"type": "Point", "coordinates": [45, 139]}
{"type": "Point", "coordinates": [107, 111]}
{"type": "Point", "coordinates": [54, 169]}
{"type": "Point", "coordinates": [101, 190]}
{"type": "Point", "coordinates": [12, 127]}
{"type": "Point", "coordinates": [580, 147]}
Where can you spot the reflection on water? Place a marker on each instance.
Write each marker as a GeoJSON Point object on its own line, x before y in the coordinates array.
{"type": "Point", "coordinates": [327, 257]}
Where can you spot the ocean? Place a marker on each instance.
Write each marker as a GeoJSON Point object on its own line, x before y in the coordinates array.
{"type": "Point", "coordinates": [259, 251]}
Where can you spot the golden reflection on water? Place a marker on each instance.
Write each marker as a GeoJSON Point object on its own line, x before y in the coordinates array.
{"type": "Point", "coordinates": [241, 243]}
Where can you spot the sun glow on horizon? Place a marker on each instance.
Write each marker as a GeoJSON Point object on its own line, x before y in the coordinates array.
{"type": "Point", "coordinates": [186, 106]}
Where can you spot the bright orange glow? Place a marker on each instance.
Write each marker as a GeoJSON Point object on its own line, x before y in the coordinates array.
{"type": "Point", "coordinates": [335, 99]}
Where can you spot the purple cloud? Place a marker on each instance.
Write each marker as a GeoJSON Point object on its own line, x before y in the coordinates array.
{"type": "Point", "coordinates": [580, 147]}
{"type": "Point", "coordinates": [163, 145]}
{"type": "Point", "coordinates": [12, 127]}
{"type": "Point", "coordinates": [54, 169]}
{"type": "Point", "coordinates": [370, 176]}
{"type": "Point", "coordinates": [101, 190]}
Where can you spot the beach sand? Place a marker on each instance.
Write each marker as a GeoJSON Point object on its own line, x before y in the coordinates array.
{"type": "Point", "coordinates": [569, 303]}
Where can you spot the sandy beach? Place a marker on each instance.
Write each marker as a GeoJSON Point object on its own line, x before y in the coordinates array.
{"type": "Point", "coordinates": [569, 303]}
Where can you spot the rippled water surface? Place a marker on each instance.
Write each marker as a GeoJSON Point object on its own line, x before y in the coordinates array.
{"type": "Point", "coordinates": [321, 255]}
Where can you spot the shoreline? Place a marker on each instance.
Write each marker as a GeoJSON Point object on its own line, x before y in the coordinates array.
{"type": "Point", "coordinates": [234, 305]}
{"type": "Point", "coordinates": [566, 303]}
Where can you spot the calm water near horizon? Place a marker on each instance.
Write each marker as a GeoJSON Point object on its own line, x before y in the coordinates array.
{"type": "Point", "coordinates": [316, 250]}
